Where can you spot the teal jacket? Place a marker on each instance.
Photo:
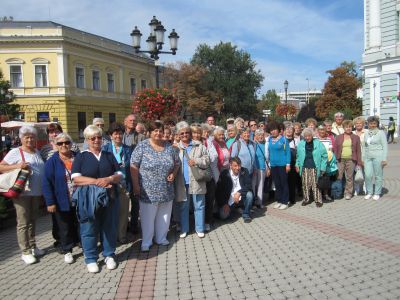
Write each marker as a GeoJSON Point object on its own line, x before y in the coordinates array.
{"type": "Point", "coordinates": [319, 154]}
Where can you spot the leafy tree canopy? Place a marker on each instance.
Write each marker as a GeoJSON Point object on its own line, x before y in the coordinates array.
{"type": "Point", "coordinates": [340, 93]}
{"type": "Point", "coordinates": [232, 74]}
{"type": "Point", "coordinates": [8, 110]}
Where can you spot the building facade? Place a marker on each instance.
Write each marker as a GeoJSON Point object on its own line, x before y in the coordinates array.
{"type": "Point", "coordinates": [299, 98]}
{"type": "Point", "coordinates": [66, 75]}
{"type": "Point", "coordinates": [381, 59]}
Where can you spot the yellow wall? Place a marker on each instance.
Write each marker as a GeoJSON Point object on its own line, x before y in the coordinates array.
{"type": "Point", "coordinates": [62, 99]}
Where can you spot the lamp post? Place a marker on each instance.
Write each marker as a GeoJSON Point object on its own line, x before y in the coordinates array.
{"type": "Point", "coordinates": [155, 42]}
{"type": "Point", "coordinates": [286, 85]}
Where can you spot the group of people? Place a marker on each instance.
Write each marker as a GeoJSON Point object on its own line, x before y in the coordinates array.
{"type": "Point", "coordinates": [166, 170]}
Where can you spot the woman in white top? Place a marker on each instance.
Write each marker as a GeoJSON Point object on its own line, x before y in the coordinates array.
{"type": "Point", "coordinates": [359, 123]}
{"type": "Point", "coordinates": [27, 204]}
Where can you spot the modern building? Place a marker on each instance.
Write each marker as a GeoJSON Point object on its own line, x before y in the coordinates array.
{"type": "Point", "coordinates": [381, 59]}
{"type": "Point", "coordinates": [299, 98]}
{"type": "Point", "coordinates": [63, 74]}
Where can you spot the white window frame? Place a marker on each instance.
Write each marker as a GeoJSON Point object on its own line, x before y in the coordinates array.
{"type": "Point", "coordinates": [130, 85]}
{"type": "Point", "coordinates": [99, 87]}
{"type": "Point", "coordinates": [47, 76]}
{"type": "Point", "coordinates": [76, 78]}
{"type": "Point", "coordinates": [108, 85]}
{"type": "Point", "coordinates": [22, 76]}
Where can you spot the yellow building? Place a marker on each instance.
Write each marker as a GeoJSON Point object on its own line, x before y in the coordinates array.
{"type": "Point", "coordinates": [63, 74]}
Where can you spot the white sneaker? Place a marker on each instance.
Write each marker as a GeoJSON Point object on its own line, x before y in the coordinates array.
{"type": "Point", "coordinates": [200, 234]}
{"type": "Point", "coordinates": [376, 197]}
{"type": "Point", "coordinates": [68, 258]}
{"type": "Point", "coordinates": [368, 196]}
{"type": "Point", "coordinates": [28, 258]}
{"type": "Point", "coordinates": [110, 262]}
{"type": "Point", "coordinates": [38, 252]}
{"type": "Point", "coordinates": [93, 267]}
{"type": "Point", "coordinates": [183, 235]}
{"type": "Point", "coordinates": [283, 206]}
{"type": "Point", "coordinates": [277, 205]}
{"type": "Point", "coordinates": [207, 227]}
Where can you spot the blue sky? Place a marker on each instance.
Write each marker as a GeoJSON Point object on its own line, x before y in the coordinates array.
{"type": "Point", "coordinates": [288, 39]}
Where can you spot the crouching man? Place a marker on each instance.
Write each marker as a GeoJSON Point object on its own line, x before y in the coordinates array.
{"type": "Point", "coordinates": [234, 190]}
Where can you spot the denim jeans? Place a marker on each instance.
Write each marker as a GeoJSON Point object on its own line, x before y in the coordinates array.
{"type": "Point", "coordinates": [199, 211]}
{"type": "Point", "coordinates": [280, 178]}
{"type": "Point", "coordinates": [105, 225]}
{"type": "Point", "coordinates": [247, 203]}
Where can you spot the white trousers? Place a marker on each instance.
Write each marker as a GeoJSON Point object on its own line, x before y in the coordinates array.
{"type": "Point", "coordinates": [154, 219]}
{"type": "Point", "coordinates": [258, 186]}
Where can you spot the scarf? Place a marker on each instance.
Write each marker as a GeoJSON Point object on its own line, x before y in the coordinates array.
{"type": "Point", "coordinates": [221, 156]}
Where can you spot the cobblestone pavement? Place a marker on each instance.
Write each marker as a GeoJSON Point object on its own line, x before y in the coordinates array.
{"type": "Point", "coordinates": [344, 250]}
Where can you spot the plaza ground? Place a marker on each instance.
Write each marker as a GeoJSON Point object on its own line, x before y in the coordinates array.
{"type": "Point", "coordinates": [344, 250]}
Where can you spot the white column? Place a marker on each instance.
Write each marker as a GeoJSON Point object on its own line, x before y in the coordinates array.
{"type": "Point", "coordinates": [375, 88]}
{"type": "Point", "coordinates": [374, 23]}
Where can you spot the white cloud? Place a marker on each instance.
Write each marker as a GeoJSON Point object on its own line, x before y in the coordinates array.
{"type": "Point", "coordinates": [297, 32]}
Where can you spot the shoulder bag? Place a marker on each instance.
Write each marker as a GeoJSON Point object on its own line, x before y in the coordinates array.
{"type": "Point", "coordinates": [20, 183]}
{"type": "Point", "coordinates": [198, 173]}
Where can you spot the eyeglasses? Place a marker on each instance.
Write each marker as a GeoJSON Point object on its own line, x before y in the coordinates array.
{"type": "Point", "coordinates": [184, 133]}
{"type": "Point", "coordinates": [100, 125]}
{"type": "Point", "coordinates": [95, 138]}
{"type": "Point", "coordinates": [253, 125]}
{"type": "Point", "coordinates": [63, 143]}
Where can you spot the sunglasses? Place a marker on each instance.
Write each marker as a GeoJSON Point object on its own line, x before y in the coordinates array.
{"type": "Point", "coordinates": [95, 138]}
{"type": "Point", "coordinates": [184, 133]}
{"type": "Point", "coordinates": [253, 125]}
{"type": "Point", "coordinates": [63, 143]}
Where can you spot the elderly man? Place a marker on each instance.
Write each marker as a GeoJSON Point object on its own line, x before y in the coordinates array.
{"type": "Point", "coordinates": [99, 122]}
{"type": "Point", "coordinates": [211, 121]}
{"type": "Point", "coordinates": [337, 127]}
{"type": "Point", "coordinates": [131, 138]}
{"type": "Point", "coordinates": [234, 190]}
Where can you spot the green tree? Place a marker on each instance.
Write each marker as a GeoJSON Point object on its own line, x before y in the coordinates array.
{"type": "Point", "coordinates": [340, 93]}
{"type": "Point", "coordinates": [8, 110]}
{"type": "Point", "coordinates": [268, 101]}
{"type": "Point", "coordinates": [231, 74]}
{"type": "Point", "coordinates": [308, 110]}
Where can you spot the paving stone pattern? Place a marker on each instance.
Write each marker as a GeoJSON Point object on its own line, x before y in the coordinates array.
{"type": "Point", "coordinates": [344, 250]}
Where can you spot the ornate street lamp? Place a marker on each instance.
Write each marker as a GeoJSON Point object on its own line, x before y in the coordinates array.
{"type": "Point", "coordinates": [155, 42]}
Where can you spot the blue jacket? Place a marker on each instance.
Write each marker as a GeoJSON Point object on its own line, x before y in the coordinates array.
{"type": "Point", "coordinates": [279, 152]}
{"type": "Point", "coordinates": [319, 153]}
{"type": "Point", "coordinates": [246, 153]}
{"type": "Point", "coordinates": [127, 152]}
{"type": "Point", "coordinates": [88, 199]}
{"type": "Point", "coordinates": [54, 186]}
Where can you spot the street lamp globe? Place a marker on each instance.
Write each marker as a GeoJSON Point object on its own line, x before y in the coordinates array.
{"type": "Point", "coordinates": [136, 37]}
{"type": "Point", "coordinates": [153, 25]}
{"type": "Point", "coordinates": [173, 41]}
{"type": "Point", "coordinates": [286, 85]}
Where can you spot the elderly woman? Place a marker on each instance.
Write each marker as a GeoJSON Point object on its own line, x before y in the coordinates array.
{"type": "Point", "coordinates": [53, 130]}
{"type": "Point", "coordinates": [99, 122]}
{"type": "Point", "coordinates": [245, 149]}
{"type": "Point", "coordinates": [154, 167]}
{"type": "Point", "coordinates": [278, 158]}
{"type": "Point", "coordinates": [312, 124]}
{"type": "Point", "coordinates": [294, 180]}
{"type": "Point", "coordinates": [260, 167]}
{"type": "Point", "coordinates": [375, 158]}
{"type": "Point", "coordinates": [328, 125]}
{"type": "Point", "coordinates": [337, 126]}
{"type": "Point", "coordinates": [192, 154]}
{"type": "Point", "coordinates": [360, 130]}
{"type": "Point", "coordinates": [219, 160]}
{"type": "Point", "coordinates": [231, 135]}
{"type": "Point", "coordinates": [57, 192]}
{"type": "Point", "coordinates": [96, 173]}
{"type": "Point", "coordinates": [310, 164]}
{"type": "Point", "coordinates": [27, 204]}
{"type": "Point", "coordinates": [347, 150]}
{"type": "Point", "coordinates": [122, 154]}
